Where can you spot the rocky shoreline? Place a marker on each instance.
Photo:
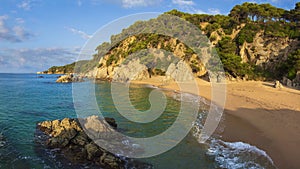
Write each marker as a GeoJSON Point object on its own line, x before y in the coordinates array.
{"type": "Point", "coordinates": [68, 136]}
{"type": "Point", "coordinates": [69, 78]}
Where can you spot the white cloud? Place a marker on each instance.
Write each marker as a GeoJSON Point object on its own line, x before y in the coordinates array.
{"type": "Point", "coordinates": [33, 60]}
{"type": "Point", "coordinates": [213, 11]}
{"type": "Point", "coordinates": [3, 27]}
{"type": "Point", "coordinates": [183, 2]}
{"type": "Point", "coordinates": [12, 34]}
{"type": "Point", "coordinates": [20, 20]}
{"type": "Point", "coordinates": [138, 3]}
{"type": "Point", "coordinates": [133, 3]}
{"type": "Point", "coordinates": [26, 5]}
{"type": "Point", "coordinates": [79, 32]}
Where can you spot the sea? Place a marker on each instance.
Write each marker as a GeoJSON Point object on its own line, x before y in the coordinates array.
{"type": "Point", "coordinates": [26, 99]}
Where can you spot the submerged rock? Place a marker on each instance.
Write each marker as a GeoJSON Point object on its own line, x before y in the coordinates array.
{"type": "Point", "coordinates": [69, 79]}
{"type": "Point", "coordinates": [2, 140]}
{"type": "Point", "coordinates": [68, 136]}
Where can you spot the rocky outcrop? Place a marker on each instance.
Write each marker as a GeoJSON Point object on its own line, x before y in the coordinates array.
{"type": "Point", "coordinates": [295, 83]}
{"type": "Point", "coordinates": [111, 63]}
{"type": "Point", "coordinates": [134, 70]}
{"type": "Point", "coordinates": [69, 136]}
{"type": "Point", "coordinates": [181, 72]}
{"type": "Point", "coordinates": [267, 51]}
{"type": "Point", "coordinates": [69, 79]}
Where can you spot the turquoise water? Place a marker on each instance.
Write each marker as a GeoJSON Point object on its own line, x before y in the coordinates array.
{"type": "Point", "coordinates": [26, 99]}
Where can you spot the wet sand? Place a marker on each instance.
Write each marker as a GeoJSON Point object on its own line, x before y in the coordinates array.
{"type": "Point", "coordinates": [258, 114]}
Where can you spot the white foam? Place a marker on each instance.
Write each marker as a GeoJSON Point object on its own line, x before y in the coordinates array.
{"type": "Point", "coordinates": [239, 155]}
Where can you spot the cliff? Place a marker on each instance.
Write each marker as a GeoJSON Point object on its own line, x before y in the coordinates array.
{"type": "Point", "coordinates": [251, 42]}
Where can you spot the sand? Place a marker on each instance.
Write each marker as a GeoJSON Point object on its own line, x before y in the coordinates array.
{"type": "Point", "coordinates": [258, 114]}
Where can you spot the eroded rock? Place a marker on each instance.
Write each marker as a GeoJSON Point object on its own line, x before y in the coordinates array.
{"type": "Point", "coordinates": [68, 136]}
{"type": "Point", "coordinates": [134, 70]}
{"type": "Point", "coordinates": [69, 79]}
{"type": "Point", "coordinates": [181, 72]}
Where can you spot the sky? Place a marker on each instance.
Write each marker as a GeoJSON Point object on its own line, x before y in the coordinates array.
{"type": "Point", "coordinates": [38, 34]}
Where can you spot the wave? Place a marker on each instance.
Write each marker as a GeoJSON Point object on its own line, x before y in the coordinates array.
{"type": "Point", "coordinates": [234, 155]}
{"type": "Point", "coordinates": [229, 155]}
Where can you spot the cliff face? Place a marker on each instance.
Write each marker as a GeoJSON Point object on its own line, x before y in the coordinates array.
{"type": "Point", "coordinates": [121, 64]}
{"type": "Point", "coordinates": [250, 45]}
{"type": "Point", "coordinates": [267, 51]}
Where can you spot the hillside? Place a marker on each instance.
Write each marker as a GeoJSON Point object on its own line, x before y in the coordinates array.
{"type": "Point", "coordinates": [66, 69]}
{"type": "Point", "coordinates": [255, 41]}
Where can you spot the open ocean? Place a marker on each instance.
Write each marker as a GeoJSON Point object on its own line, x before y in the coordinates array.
{"type": "Point", "coordinates": [26, 99]}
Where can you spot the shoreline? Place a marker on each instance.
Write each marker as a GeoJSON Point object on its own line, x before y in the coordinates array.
{"type": "Point", "coordinates": [255, 113]}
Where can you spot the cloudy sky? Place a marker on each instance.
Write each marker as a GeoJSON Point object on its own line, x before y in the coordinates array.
{"type": "Point", "coordinates": [36, 34]}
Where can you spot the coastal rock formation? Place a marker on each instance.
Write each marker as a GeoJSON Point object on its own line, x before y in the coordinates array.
{"type": "Point", "coordinates": [267, 51]}
{"type": "Point", "coordinates": [69, 79]}
{"type": "Point", "coordinates": [74, 143]}
{"type": "Point", "coordinates": [292, 83]}
{"type": "Point", "coordinates": [134, 70]}
{"type": "Point", "coordinates": [180, 72]}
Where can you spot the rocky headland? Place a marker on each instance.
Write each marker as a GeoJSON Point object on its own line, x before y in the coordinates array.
{"type": "Point", "coordinates": [68, 136]}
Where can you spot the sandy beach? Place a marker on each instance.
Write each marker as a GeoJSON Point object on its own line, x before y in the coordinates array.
{"type": "Point", "coordinates": [258, 114]}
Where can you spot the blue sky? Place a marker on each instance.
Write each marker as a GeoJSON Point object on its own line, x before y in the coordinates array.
{"type": "Point", "coordinates": [36, 34]}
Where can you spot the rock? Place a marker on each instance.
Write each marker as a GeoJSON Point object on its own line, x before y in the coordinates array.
{"type": "Point", "coordinates": [111, 122]}
{"type": "Point", "coordinates": [77, 147]}
{"type": "Point", "coordinates": [289, 83]}
{"type": "Point", "coordinates": [180, 72]}
{"type": "Point", "coordinates": [134, 70]}
{"type": "Point", "coordinates": [69, 79]}
{"type": "Point", "coordinates": [80, 139]}
{"type": "Point", "coordinates": [2, 140]}
{"type": "Point", "coordinates": [277, 85]}
{"type": "Point", "coordinates": [267, 51]}
{"type": "Point", "coordinates": [96, 124]}
{"type": "Point", "coordinates": [92, 151]}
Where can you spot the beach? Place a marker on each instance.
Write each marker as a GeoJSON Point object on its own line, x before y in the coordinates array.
{"type": "Point", "coordinates": [255, 113]}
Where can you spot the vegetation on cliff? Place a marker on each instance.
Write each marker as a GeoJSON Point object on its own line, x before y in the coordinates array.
{"type": "Point", "coordinates": [66, 69]}
{"type": "Point", "coordinates": [241, 26]}
{"type": "Point", "coordinates": [253, 41]}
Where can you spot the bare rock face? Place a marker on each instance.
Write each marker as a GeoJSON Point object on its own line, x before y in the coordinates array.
{"type": "Point", "coordinates": [181, 72]}
{"type": "Point", "coordinates": [295, 83]}
{"type": "Point", "coordinates": [267, 51]}
{"type": "Point", "coordinates": [134, 70]}
{"type": "Point", "coordinates": [69, 79]}
{"type": "Point", "coordinates": [76, 146]}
